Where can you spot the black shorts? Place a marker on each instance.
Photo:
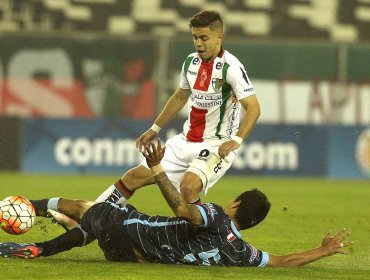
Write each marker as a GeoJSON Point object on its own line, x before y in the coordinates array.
{"type": "Point", "coordinates": [104, 222]}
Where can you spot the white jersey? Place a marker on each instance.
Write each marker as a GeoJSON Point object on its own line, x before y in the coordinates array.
{"type": "Point", "coordinates": [216, 87]}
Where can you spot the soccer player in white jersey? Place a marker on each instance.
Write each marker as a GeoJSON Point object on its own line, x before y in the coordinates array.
{"type": "Point", "coordinates": [216, 88]}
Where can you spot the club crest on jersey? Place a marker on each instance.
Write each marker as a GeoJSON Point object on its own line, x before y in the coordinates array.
{"type": "Point", "coordinates": [216, 84]}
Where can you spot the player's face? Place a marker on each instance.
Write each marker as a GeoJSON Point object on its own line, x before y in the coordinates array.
{"type": "Point", "coordinates": [207, 42]}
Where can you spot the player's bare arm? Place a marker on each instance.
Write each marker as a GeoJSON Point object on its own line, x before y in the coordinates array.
{"type": "Point", "coordinates": [175, 200]}
{"type": "Point", "coordinates": [252, 108]}
{"type": "Point", "coordinates": [176, 102]}
{"type": "Point", "coordinates": [330, 245]}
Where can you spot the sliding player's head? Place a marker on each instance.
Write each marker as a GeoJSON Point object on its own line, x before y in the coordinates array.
{"type": "Point", "coordinates": [253, 207]}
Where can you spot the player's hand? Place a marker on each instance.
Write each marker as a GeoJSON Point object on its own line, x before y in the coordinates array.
{"type": "Point", "coordinates": [227, 147]}
{"type": "Point", "coordinates": [154, 154]}
{"type": "Point", "coordinates": [145, 139]}
{"type": "Point", "coordinates": [336, 244]}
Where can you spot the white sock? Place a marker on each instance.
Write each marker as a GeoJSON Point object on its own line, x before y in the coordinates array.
{"type": "Point", "coordinates": [122, 201]}
{"type": "Point", "coordinates": [110, 195]}
{"type": "Point", "coordinates": [53, 203]}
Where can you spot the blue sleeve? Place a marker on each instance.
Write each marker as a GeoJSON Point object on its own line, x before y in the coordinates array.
{"type": "Point", "coordinates": [255, 257]}
{"type": "Point", "coordinates": [212, 215]}
{"type": "Point", "coordinates": [265, 260]}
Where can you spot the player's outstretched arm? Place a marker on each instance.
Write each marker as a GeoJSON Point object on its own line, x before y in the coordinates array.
{"type": "Point", "coordinates": [330, 245]}
{"type": "Point", "coordinates": [176, 102]}
{"type": "Point", "coordinates": [175, 200]}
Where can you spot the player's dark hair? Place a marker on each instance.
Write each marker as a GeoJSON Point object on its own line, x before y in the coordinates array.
{"type": "Point", "coordinates": [211, 19]}
{"type": "Point", "coordinates": [252, 209]}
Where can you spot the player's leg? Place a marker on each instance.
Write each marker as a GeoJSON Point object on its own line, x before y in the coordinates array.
{"type": "Point", "coordinates": [74, 208]}
{"type": "Point", "coordinates": [190, 186]}
{"type": "Point", "coordinates": [66, 212]}
{"type": "Point", "coordinates": [76, 237]}
{"type": "Point", "coordinates": [94, 225]}
{"type": "Point", "coordinates": [64, 242]}
{"type": "Point", "coordinates": [204, 171]}
{"type": "Point", "coordinates": [124, 188]}
{"type": "Point", "coordinates": [48, 207]}
{"type": "Point", "coordinates": [179, 153]}
{"type": "Point", "coordinates": [174, 162]}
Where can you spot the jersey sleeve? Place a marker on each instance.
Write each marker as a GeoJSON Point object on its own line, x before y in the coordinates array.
{"type": "Point", "coordinates": [255, 257]}
{"type": "Point", "coordinates": [238, 79]}
{"type": "Point", "coordinates": [212, 215]}
{"type": "Point", "coordinates": [265, 259]}
{"type": "Point", "coordinates": [184, 84]}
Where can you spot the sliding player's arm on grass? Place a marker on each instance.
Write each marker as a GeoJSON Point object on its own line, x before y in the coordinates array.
{"type": "Point", "coordinates": [175, 200]}
{"type": "Point", "coordinates": [330, 245]}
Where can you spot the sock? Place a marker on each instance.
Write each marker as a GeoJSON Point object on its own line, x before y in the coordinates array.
{"type": "Point", "coordinates": [53, 203]}
{"type": "Point", "coordinates": [116, 193]}
{"type": "Point", "coordinates": [196, 202]}
{"type": "Point", "coordinates": [123, 189]}
{"type": "Point", "coordinates": [41, 206]}
{"type": "Point", "coordinates": [110, 195]}
{"type": "Point", "coordinates": [64, 242]}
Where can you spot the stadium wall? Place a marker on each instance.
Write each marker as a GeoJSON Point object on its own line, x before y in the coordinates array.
{"type": "Point", "coordinates": [10, 143]}
{"type": "Point", "coordinates": [106, 146]}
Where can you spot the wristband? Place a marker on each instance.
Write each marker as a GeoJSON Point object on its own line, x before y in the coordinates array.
{"type": "Point", "coordinates": [237, 139]}
{"type": "Point", "coordinates": [157, 169]}
{"type": "Point", "coordinates": [155, 128]}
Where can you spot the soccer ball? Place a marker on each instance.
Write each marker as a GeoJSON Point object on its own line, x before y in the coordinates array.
{"type": "Point", "coordinates": [17, 214]}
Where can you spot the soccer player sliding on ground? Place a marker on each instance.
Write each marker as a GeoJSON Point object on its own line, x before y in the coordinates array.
{"type": "Point", "coordinates": [204, 234]}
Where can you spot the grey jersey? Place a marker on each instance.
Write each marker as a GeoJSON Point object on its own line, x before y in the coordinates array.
{"type": "Point", "coordinates": [174, 240]}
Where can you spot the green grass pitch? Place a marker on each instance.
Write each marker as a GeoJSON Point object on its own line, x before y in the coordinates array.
{"type": "Point", "coordinates": [303, 210]}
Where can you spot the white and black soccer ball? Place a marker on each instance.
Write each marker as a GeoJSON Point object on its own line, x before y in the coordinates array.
{"type": "Point", "coordinates": [17, 214]}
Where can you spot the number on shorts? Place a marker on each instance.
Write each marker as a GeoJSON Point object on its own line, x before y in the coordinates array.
{"type": "Point", "coordinates": [204, 153]}
{"type": "Point", "coordinates": [218, 166]}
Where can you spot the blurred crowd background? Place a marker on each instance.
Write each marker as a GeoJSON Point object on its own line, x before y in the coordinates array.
{"type": "Point", "coordinates": [81, 60]}
{"type": "Point", "coordinates": [329, 20]}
